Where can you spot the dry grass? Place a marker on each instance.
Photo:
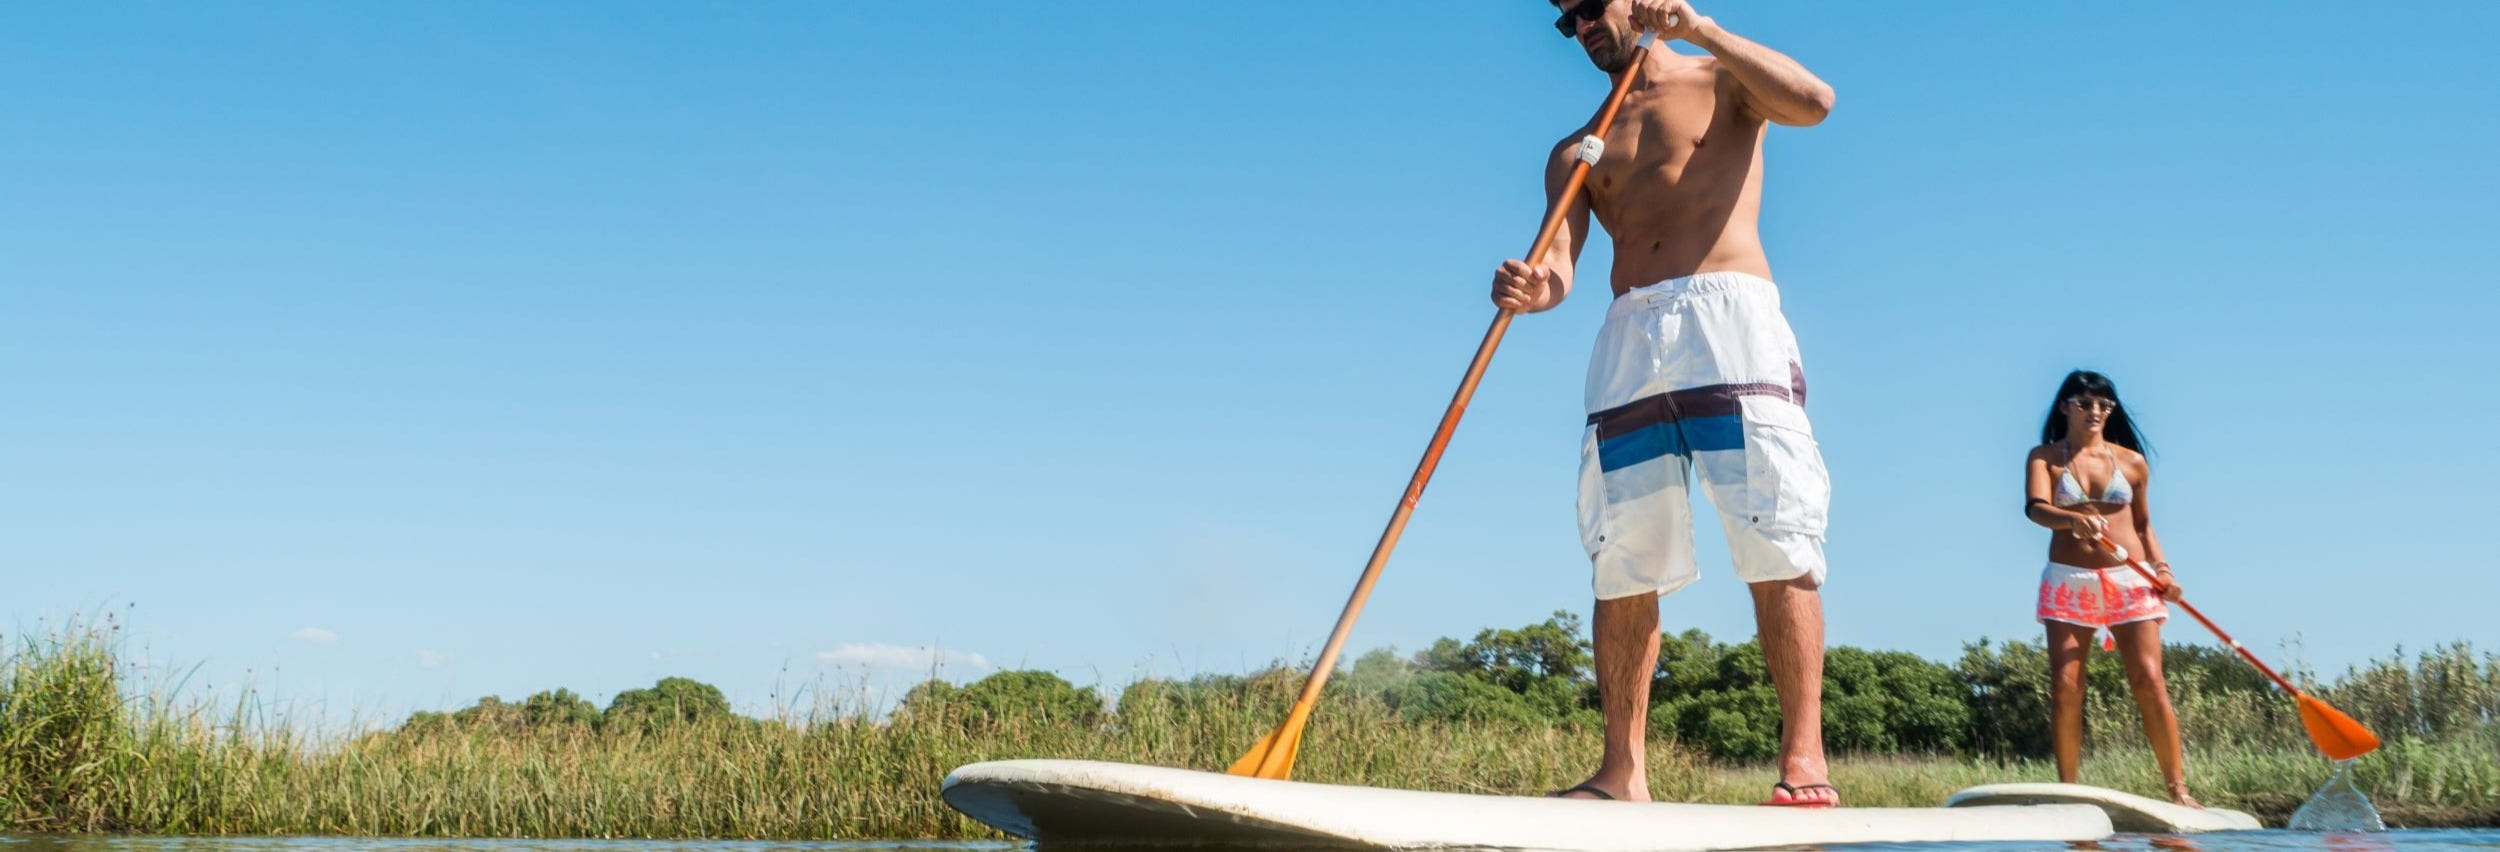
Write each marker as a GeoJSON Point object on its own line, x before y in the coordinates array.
{"type": "Point", "coordinates": [79, 751]}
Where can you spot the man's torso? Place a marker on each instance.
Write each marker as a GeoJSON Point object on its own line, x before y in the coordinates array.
{"type": "Point", "coordinates": [1680, 185]}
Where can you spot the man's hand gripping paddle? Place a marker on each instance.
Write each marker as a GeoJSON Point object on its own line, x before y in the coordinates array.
{"type": "Point", "coordinates": [1273, 756]}
{"type": "Point", "coordinates": [2338, 735]}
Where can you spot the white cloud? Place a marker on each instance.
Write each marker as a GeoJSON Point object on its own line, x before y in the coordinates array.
{"type": "Point", "coordinates": [315, 635]}
{"type": "Point", "coordinates": [917, 658]}
{"type": "Point", "coordinates": [432, 659]}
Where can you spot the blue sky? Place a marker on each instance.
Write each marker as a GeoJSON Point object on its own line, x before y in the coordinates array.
{"type": "Point", "coordinates": [389, 356]}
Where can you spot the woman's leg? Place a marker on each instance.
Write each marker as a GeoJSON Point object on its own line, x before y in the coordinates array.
{"type": "Point", "coordinates": [2139, 647]}
{"type": "Point", "coordinates": [2068, 645]}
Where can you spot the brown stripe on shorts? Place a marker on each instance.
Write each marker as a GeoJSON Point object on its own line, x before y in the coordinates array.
{"type": "Point", "coordinates": [1705, 401]}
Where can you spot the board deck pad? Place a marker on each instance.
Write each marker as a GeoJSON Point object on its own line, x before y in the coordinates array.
{"type": "Point", "coordinates": [2127, 811]}
{"type": "Point", "coordinates": [1091, 803]}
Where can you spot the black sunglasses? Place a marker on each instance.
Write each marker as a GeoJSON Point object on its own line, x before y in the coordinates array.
{"type": "Point", "coordinates": [1585, 10]}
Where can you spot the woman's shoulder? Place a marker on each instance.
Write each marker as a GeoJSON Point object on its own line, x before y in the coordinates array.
{"type": "Point", "coordinates": [2134, 461]}
{"type": "Point", "coordinates": [2041, 453]}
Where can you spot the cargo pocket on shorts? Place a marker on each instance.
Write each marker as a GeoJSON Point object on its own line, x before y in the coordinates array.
{"type": "Point", "coordinates": [1787, 489]}
{"type": "Point", "coordinates": [1592, 495]}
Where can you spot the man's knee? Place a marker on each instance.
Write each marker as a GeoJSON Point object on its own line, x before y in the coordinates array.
{"type": "Point", "coordinates": [1807, 583]}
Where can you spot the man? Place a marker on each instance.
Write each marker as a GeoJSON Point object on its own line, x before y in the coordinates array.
{"type": "Point", "coordinates": [1696, 371]}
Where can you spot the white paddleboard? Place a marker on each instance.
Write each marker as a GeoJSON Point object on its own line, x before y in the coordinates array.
{"type": "Point", "coordinates": [2127, 811]}
{"type": "Point", "coordinates": [1082, 802]}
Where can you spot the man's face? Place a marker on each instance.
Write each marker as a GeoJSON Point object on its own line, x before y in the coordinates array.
{"type": "Point", "coordinates": [1607, 39]}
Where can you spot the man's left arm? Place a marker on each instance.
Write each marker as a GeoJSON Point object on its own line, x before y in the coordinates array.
{"type": "Point", "coordinates": [1775, 87]}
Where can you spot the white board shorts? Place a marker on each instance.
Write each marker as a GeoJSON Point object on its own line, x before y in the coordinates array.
{"type": "Point", "coordinates": [1699, 373]}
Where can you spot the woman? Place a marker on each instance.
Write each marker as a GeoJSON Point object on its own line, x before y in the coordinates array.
{"type": "Point", "coordinates": [2088, 480]}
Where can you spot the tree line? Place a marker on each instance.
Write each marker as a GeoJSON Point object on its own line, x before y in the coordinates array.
{"type": "Point", "coordinates": [1716, 697]}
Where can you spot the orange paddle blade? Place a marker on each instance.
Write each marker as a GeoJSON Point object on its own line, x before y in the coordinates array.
{"type": "Point", "coordinates": [1273, 756]}
{"type": "Point", "coordinates": [2338, 735]}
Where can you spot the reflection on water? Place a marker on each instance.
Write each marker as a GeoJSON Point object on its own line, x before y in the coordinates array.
{"type": "Point", "coordinates": [2439, 840]}
{"type": "Point", "coordinates": [2406, 840]}
{"type": "Point", "coordinates": [2354, 841]}
{"type": "Point", "coordinates": [93, 843]}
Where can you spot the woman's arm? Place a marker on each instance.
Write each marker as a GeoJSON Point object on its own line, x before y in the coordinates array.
{"type": "Point", "coordinates": [2037, 506]}
{"type": "Point", "coordinates": [2144, 529]}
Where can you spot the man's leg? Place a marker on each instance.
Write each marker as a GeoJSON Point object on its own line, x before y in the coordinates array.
{"type": "Point", "coordinates": [1789, 616]}
{"type": "Point", "coordinates": [1626, 635]}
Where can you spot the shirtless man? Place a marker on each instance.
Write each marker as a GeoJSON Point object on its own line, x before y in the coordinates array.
{"type": "Point", "coordinates": [1695, 371]}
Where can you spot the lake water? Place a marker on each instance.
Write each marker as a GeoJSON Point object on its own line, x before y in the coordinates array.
{"type": "Point", "coordinates": [2423, 840]}
{"type": "Point", "coordinates": [2409, 840]}
{"type": "Point", "coordinates": [89, 843]}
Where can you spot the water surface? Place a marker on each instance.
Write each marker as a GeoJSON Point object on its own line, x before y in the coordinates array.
{"type": "Point", "coordinates": [2403, 840]}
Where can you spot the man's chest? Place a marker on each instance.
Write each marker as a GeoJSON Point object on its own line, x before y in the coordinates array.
{"type": "Point", "coordinates": [1661, 130]}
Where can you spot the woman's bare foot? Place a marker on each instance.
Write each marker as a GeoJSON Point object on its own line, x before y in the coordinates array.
{"type": "Point", "coordinates": [2179, 795]}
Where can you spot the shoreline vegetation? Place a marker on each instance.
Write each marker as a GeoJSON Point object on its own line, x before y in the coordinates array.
{"type": "Point", "coordinates": [85, 747]}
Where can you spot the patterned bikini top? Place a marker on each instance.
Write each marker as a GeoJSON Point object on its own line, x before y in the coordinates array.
{"type": "Point", "coordinates": [2070, 492]}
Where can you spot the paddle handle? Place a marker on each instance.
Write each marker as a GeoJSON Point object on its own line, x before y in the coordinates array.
{"type": "Point", "coordinates": [2140, 568]}
{"type": "Point", "coordinates": [1441, 436]}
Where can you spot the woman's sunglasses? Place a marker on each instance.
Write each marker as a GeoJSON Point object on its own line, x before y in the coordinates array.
{"type": "Point", "coordinates": [1585, 10]}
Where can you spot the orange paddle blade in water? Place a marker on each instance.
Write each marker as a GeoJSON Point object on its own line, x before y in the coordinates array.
{"type": "Point", "coordinates": [2338, 735]}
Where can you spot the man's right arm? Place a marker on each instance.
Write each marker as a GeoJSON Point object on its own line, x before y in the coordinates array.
{"type": "Point", "coordinates": [1531, 287]}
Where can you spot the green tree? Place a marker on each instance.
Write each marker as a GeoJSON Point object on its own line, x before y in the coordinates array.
{"type": "Point", "coordinates": [426, 722]}
{"type": "Point", "coordinates": [1547, 664]}
{"type": "Point", "coordinates": [1516, 659]}
{"type": "Point", "coordinates": [1027, 697]}
{"type": "Point", "coordinates": [556, 708]}
{"type": "Point", "coordinates": [672, 701]}
{"type": "Point", "coordinates": [1890, 701]}
{"type": "Point", "coordinates": [932, 701]}
{"type": "Point", "coordinates": [1715, 697]}
{"type": "Point", "coordinates": [489, 712]}
{"type": "Point", "coordinates": [2006, 687]}
{"type": "Point", "coordinates": [1438, 696]}
{"type": "Point", "coordinates": [1375, 672]}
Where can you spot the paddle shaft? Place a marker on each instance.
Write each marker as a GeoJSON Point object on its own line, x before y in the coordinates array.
{"type": "Point", "coordinates": [1449, 423]}
{"type": "Point", "coordinates": [2140, 568]}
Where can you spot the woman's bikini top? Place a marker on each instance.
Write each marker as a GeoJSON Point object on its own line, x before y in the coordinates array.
{"type": "Point", "coordinates": [2070, 492]}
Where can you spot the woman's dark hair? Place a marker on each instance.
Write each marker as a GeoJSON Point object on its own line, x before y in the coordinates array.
{"type": "Point", "coordinates": [2121, 428]}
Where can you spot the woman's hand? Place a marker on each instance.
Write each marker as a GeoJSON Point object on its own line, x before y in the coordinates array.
{"type": "Point", "coordinates": [2169, 584]}
{"type": "Point", "coordinates": [2087, 526]}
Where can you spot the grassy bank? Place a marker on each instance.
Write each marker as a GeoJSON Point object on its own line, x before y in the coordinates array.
{"type": "Point", "coordinates": [84, 749]}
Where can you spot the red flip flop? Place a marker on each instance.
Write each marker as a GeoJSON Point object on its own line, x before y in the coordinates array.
{"type": "Point", "coordinates": [1786, 795]}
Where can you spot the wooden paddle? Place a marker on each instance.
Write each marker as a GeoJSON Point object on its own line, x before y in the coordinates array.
{"type": "Point", "coordinates": [2338, 735]}
{"type": "Point", "coordinates": [1273, 756]}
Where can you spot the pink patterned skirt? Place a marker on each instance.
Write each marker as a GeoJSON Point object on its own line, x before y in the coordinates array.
{"type": "Point", "coordinates": [2098, 597]}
